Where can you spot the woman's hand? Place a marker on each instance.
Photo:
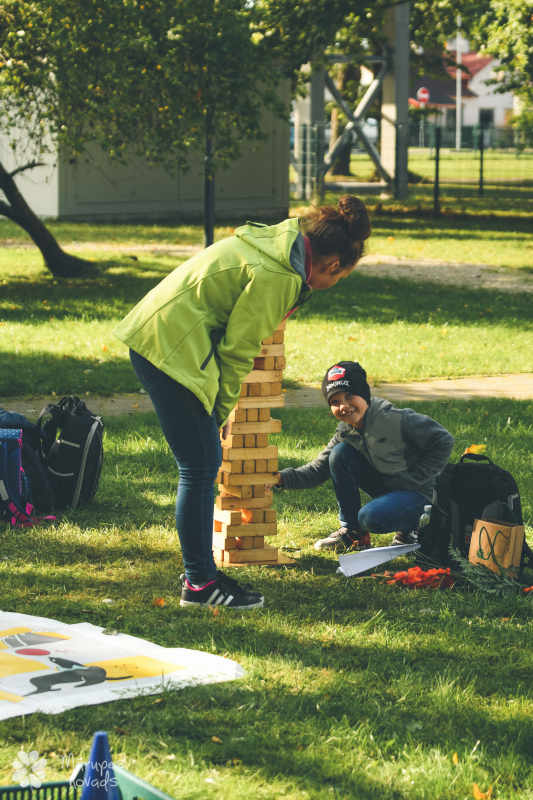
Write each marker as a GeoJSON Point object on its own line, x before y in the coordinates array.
{"type": "Point", "coordinates": [277, 482]}
{"type": "Point", "coordinates": [225, 430]}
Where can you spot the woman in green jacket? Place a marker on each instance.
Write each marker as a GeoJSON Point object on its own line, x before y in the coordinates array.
{"type": "Point", "coordinates": [192, 342]}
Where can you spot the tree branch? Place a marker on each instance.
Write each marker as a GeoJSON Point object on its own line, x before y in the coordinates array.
{"type": "Point", "coordinates": [30, 165]}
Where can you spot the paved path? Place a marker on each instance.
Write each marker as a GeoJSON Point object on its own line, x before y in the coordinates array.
{"type": "Point", "coordinates": [517, 387]}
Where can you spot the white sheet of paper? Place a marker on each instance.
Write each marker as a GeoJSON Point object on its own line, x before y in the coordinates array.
{"type": "Point", "coordinates": [354, 563]}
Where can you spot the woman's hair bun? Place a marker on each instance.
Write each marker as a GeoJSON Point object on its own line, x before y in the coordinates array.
{"type": "Point", "coordinates": [355, 215]}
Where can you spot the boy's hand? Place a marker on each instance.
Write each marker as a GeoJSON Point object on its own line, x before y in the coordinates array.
{"type": "Point", "coordinates": [277, 482]}
{"type": "Point", "coordinates": [225, 430]}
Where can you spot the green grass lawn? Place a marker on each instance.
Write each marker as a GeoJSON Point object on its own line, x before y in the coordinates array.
{"type": "Point", "coordinates": [464, 165]}
{"type": "Point", "coordinates": [352, 690]}
{"type": "Point", "coordinates": [55, 336]}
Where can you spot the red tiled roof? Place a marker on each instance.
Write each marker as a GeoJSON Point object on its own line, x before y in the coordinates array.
{"type": "Point", "coordinates": [474, 63]}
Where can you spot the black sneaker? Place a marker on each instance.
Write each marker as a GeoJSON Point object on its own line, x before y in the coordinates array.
{"type": "Point", "coordinates": [344, 539]}
{"type": "Point", "coordinates": [223, 591]}
{"type": "Point", "coordinates": [405, 537]}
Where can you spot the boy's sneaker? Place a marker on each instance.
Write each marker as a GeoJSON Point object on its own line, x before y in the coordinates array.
{"type": "Point", "coordinates": [223, 591]}
{"type": "Point", "coordinates": [344, 539]}
{"type": "Point", "coordinates": [405, 537]}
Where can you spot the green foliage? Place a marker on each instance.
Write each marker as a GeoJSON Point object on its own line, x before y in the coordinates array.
{"type": "Point", "coordinates": [132, 76]}
{"type": "Point", "coordinates": [485, 580]}
{"type": "Point", "coordinates": [506, 31]}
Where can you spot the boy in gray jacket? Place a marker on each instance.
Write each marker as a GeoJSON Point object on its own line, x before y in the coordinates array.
{"type": "Point", "coordinates": [392, 454]}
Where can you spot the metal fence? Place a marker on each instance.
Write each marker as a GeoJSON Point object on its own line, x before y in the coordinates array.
{"type": "Point", "coordinates": [491, 162]}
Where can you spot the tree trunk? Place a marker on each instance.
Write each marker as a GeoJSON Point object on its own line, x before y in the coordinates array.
{"type": "Point", "coordinates": [60, 264]}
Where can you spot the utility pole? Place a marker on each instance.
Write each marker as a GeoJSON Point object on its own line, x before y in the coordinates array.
{"type": "Point", "coordinates": [458, 86]}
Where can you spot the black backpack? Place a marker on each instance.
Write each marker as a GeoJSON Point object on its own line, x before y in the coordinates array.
{"type": "Point", "coordinates": [465, 492]}
{"type": "Point", "coordinates": [73, 462]}
{"type": "Point", "coordinates": [35, 488]}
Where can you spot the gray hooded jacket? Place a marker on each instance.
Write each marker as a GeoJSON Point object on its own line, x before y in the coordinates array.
{"type": "Point", "coordinates": [406, 448]}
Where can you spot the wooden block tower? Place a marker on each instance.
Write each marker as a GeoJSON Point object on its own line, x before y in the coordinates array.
{"type": "Point", "coordinates": [243, 519]}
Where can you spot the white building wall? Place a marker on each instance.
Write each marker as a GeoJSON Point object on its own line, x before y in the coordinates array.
{"type": "Point", "coordinates": [255, 185]}
{"type": "Point", "coordinates": [39, 186]}
{"type": "Point", "coordinates": [487, 98]}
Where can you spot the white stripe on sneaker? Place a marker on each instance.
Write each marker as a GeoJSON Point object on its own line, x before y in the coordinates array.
{"type": "Point", "coordinates": [213, 597]}
{"type": "Point", "coordinates": [228, 601]}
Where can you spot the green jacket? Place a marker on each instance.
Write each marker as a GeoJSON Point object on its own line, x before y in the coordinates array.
{"type": "Point", "coordinates": [204, 323]}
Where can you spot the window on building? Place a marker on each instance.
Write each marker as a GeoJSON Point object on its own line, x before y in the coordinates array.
{"type": "Point", "coordinates": [486, 117]}
{"type": "Point", "coordinates": [450, 118]}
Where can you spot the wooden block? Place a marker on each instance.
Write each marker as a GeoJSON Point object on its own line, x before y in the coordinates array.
{"type": "Point", "coordinates": [261, 465]}
{"type": "Point", "coordinates": [225, 542]}
{"type": "Point", "coordinates": [217, 526]}
{"type": "Point", "coordinates": [254, 390]}
{"type": "Point", "coordinates": [245, 542]}
{"type": "Point", "coordinates": [266, 389]}
{"type": "Point", "coordinates": [259, 541]}
{"type": "Point", "coordinates": [252, 414]}
{"type": "Point", "coordinates": [264, 415]}
{"type": "Point", "coordinates": [259, 490]}
{"type": "Point", "coordinates": [231, 466]}
{"type": "Point", "coordinates": [264, 363]}
{"type": "Point", "coordinates": [282, 326]}
{"type": "Point", "coordinates": [247, 529]}
{"type": "Point", "coordinates": [225, 501]}
{"type": "Point", "coordinates": [261, 440]}
{"type": "Point", "coordinates": [268, 426]}
{"type": "Point", "coordinates": [272, 465]}
{"type": "Point", "coordinates": [242, 492]}
{"type": "Point", "coordinates": [230, 517]}
{"type": "Point", "coordinates": [249, 440]}
{"type": "Point", "coordinates": [242, 453]}
{"type": "Point", "coordinates": [236, 556]}
{"type": "Point", "coordinates": [261, 402]}
{"type": "Point", "coordinates": [272, 350]}
{"type": "Point", "coordinates": [275, 388]}
{"type": "Point", "coordinates": [218, 554]}
{"type": "Point", "coordinates": [269, 514]}
{"type": "Point", "coordinates": [253, 515]}
{"type": "Point", "coordinates": [248, 467]}
{"type": "Point", "coordinates": [268, 340]}
{"type": "Point", "coordinates": [280, 362]}
{"type": "Point", "coordinates": [278, 337]}
{"type": "Point", "coordinates": [263, 376]}
{"type": "Point", "coordinates": [281, 559]}
{"type": "Point", "coordinates": [233, 440]}
{"type": "Point", "coordinates": [244, 390]}
{"type": "Point", "coordinates": [237, 415]}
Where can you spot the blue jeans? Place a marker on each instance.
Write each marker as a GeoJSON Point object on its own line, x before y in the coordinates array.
{"type": "Point", "coordinates": [193, 437]}
{"type": "Point", "coordinates": [387, 511]}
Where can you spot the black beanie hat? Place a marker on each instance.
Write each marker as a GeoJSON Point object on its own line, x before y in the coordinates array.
{"type": "Point", "coordinates": [346, 376]}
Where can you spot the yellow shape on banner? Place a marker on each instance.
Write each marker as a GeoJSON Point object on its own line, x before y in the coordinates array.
{"type": "Point", "coordinates": [13, 698]}
{"type": "Point", "coordinates": [136, 667]}
{"type": "Point", "coordinates": [16, 665]}
{"type": "Point", "coordinates": [47, 635]}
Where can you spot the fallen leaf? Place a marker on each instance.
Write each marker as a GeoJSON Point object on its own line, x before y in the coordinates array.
{"type": "Point", "coordinates": [159, 700]}
{"type": "Point", "coordinates": [390, 238]}
{"type": "Point", "coordinates": [455, 758]}
{"type": "Point", "coordinates": [479, 795]}
{"type": "Point", "coordinates": [135, 405]}
{"type": "Point", "coordinates": [159, 601]}
{"type": "Point", "coordinates": [476, 448]}
{"type": "Point", "coordinates": [121, 730]}
{"type": "Point", "coordinates": [216, 740]}
{"type": "Point", "coordinates": [104, 348]}
{"type": "Point", "coordinates": [215, 611]}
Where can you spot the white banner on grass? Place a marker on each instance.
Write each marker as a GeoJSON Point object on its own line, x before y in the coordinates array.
{"type": "Point", "coordinates": [354, 563]}
{"type": "Point", "coordinates": [48, 666]}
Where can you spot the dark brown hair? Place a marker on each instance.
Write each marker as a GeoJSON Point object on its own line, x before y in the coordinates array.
{"type": "Point", "coordinates": [341, 231]}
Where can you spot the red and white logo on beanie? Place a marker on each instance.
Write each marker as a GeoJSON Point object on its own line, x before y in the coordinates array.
{"type": "Point", "coordinates": [336, 373]}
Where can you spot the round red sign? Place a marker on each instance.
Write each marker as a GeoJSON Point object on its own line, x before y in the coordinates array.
{"type": "Point", "coordinates": [423, 94]}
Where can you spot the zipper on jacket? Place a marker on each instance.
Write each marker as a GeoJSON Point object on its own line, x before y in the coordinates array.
{"type": "Point", "coordinates": [209, 356]}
